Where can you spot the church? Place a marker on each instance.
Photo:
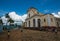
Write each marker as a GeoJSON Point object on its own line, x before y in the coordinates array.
{"type": "Point", "coordinates": [37, 19]}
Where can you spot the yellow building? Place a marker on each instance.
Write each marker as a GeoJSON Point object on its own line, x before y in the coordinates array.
{"type": "Point", "coordinates": [37, 19]}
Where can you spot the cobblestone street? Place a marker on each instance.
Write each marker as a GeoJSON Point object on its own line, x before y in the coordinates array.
{"type": "Point", "coordinates": [29, 35]}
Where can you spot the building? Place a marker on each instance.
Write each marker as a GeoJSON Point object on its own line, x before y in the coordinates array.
{"type": "Point", "coordinates": [37, 19]}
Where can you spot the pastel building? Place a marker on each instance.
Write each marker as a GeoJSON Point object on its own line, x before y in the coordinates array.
{"type": "Point", "coordinates": [37, 19]}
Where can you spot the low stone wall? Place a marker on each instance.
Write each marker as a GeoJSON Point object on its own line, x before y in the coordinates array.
{"type": "Point", "coordinates": [43, 28]}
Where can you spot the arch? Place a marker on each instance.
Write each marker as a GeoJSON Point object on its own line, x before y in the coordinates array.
{"type": "Point", "coordinates": [39, 23]}
{"type": "Point", "coordinates": [29, 23]}
{"type": "Point", "coordinates": [33, 22]}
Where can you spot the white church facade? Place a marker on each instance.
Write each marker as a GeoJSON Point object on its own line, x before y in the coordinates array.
{"type": "Point", "coordinates": [37, 19]}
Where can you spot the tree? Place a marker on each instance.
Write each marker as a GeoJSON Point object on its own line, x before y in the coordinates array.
{"type": "Point", "coordinates": [1, 21]}
{"type": "Point", "coordinates": [11, 21]}
{"type": "Point", "coordinates": [7, 16]}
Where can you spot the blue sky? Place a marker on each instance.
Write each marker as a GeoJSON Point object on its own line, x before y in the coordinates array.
{"type": "Point", "coordinates": [21, 6]}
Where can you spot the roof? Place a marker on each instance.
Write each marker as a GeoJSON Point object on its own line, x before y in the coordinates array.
{"type": "Point", "coordinates": [31, 8]}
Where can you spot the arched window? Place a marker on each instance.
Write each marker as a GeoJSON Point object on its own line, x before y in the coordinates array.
{"type": "Point", "coordinates": [44, 20]}
{"type": "Point", "coordinates": [51, 19]}
{"type": "Point", "coordinates": [33, 22]}
{"type": "Point", "coordinates": [39, 22]}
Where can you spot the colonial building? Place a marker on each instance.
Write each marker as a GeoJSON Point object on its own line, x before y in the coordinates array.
{"type": "Point", "coordinates": [37, 19]}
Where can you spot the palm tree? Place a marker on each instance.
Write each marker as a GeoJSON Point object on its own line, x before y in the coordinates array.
{"type": "Point", "coordinates": [7, 16]}
{"type": "Point", "coordinates": [11, 21]}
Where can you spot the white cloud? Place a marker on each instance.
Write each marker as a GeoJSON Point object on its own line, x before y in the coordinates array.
{"type": "Point", "coordinates": [59, 13]}
{"type": "Point", "coordinates": [4, 19]}
{"type": "Point", "coordinates": [14, 16]}
{"type": "Point", "coordinates": [56, 15]}
{"type": "Point", "coordinates": [17, 17]}
{"type": "Point", "coordinates": [24, 17]}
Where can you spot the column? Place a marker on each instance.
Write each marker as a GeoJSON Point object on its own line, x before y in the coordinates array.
{"type": "Point", "coordinates": [36, 23]}
{"type": "Point", "coordinates": [27, 24]}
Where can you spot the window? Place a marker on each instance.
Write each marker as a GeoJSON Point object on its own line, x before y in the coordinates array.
{"type": "Point", "coordinates": [44, 20]}
{"type": "Point", "coordinates": [39, 22]}
{"type": "Point", "coordinates": [33, 22]}
{"type": "Point", "coordinates": [29, 23]}
{"type": "Point", "coordinates": [51, 19]}
{"type": "Point", "coordinates": [29, 15]}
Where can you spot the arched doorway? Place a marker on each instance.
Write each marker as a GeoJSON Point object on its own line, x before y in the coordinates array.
{"type": "Point", "coordinates": [38, 23]}
{"type": "Point", "coordinates": [33, 22]}
{"type": "Point", "coordinates": [29, 23]}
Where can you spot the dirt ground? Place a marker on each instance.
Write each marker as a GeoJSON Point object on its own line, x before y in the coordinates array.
{"type": "Point", "coordinates": [29, 35]}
